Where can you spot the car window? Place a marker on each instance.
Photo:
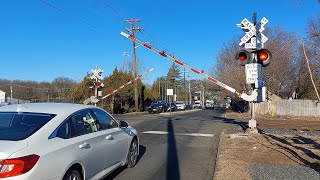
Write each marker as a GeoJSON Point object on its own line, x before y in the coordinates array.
{"type": "Point", "coordinates": [83, 122]}
{"type": "Point", "coordinates": [64, 130]}
{"type": "Point", "coordinates": [16, 126]}
{"type": "Point", "coordinates": [106, 121]}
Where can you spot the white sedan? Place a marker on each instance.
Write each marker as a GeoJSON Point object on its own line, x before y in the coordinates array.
{"type": "Point", "coordinates": [63, 141]}
{"type": "Point", "coordinates": [181, 105]}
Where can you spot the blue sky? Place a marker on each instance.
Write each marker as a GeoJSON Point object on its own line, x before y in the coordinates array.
{"type": "Point", "coordinates": [40, 43]}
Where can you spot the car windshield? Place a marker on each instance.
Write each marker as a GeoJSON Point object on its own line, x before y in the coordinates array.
{"type": "Point", "coordinates": [16, 126]}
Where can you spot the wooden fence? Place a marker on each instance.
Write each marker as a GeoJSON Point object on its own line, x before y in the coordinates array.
{"type": "Point", "coordinates": [289, 107]}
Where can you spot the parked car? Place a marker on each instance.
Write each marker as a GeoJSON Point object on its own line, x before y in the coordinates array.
{"type": "Point", "coordinates": [172, 105]}
{"type": "Point", "coordinates": [180, 105]}
{"type": "Point", "coordinates": [197, 105]}
{"type": "Point", "coordinates": [63, 141]}
{"type": "Point", "coordinates": [189, 106]}
{"type": "Point", "coordinates": [157, 106]}
{"type": "Point", "coordinates": [209, 104]}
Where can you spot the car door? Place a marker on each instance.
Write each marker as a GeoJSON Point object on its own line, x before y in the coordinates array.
{"type": "Point", "coordinates": [117, 140]}
{"type": "Point", "coordinates": [89, 140]}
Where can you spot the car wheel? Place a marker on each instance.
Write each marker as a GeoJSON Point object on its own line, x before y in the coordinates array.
{"type": "Point", "coordinates": [72, 174]}
{"type": "Point", "coordinates": [133, 153]}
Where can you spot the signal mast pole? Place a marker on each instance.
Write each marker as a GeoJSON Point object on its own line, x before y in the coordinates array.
{"type": "Point", "coordinates": [252, 121]}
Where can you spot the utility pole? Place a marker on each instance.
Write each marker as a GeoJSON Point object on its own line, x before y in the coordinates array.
{"type": "Point", "coordinates": [10, 94]}
{"type": "Point", "coordinates": [190, 97]}
{"type": "Point", "coordinates": [132, 30]}
{"type": "Point", "coordinates": [202, 96]}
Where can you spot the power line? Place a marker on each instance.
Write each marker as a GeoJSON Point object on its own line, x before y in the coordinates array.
{"type": "Point", "coordinates": [68, 14]}
{"type": "Point", "coordinates": [104, 3]}
{"type": "Point", "coordinates": [100, 7]}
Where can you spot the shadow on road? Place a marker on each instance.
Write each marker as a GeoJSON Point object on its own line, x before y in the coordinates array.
{"type": "Point", "coordinates": [173, 170]}
{"type": "Point", "coordinates": [242, 124]}
{"type": "Point", "coordinates": [114, 174]}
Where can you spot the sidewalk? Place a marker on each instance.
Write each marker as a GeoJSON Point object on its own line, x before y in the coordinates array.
{"type": "Point", "coordinates": [275, 155]}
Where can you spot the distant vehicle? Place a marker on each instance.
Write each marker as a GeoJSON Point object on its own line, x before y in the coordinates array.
{"type": "Point", "coordinates": [180, 105]}
{"type": "Point", "coordinates": [228, 102]}
{"type": "Point", "coordinates": [189, 106]}
{"type": "Point", "coordinates": [197, 105]}
{"type": "Point", "coordinates": [63, 141]}
{"type": "Point", "coordinates": [209, 104]}
{"type": "Point", "coordinates": [157, 106]}
{"type": "Point", "coordinates": [172, 105]}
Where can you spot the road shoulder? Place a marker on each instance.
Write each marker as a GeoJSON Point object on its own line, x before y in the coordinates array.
{"type": "Point", "coordinates": [268, 156]}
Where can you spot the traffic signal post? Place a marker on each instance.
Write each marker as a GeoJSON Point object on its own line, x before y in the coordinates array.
{"type": "Point", "coordinates": [97, 84]}
{"type": "Point", "coordinates": [253, 56]}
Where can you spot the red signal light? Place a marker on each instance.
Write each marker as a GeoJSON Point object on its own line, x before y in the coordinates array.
{"type": "Point", "coordinates": [97, 84]}
{"type": "Point", "coordinates": [263, 56]}
{"type": "Point", "coordinates": [243, 56]}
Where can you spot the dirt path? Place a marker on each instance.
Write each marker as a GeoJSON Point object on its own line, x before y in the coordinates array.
{"type": "Point", "coordinates": [240, 154]}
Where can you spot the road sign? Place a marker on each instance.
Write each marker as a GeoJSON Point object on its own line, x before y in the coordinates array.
{"type": "Point", "coordinates": [170, 92]}
{"type": "Point", "coordinates": [96, 74]}
{"type": "Point", "coordinates": [253, 73]}
{"type": "Point", "coordinates": [253, 34]}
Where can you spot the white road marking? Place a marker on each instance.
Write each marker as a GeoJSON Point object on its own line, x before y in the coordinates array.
{"type": "Point", "coordinates": [179, 134]}
{"type": "Point", "coordinates": [155, 132]}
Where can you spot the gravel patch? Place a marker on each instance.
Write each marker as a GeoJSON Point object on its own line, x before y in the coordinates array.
{"type": "Point", "coordinates": [275, 172]}
{"type": "Point", "coordinates": [289, 132]}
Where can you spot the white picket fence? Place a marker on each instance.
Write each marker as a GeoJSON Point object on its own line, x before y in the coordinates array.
{"type": "Point", "coordinates": [289, 107]}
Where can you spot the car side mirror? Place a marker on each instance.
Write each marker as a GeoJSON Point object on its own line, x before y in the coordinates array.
{"type": "Point", "coordinates": [123, 124]}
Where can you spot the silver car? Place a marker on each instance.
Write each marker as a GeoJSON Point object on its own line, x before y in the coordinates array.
{"type": "Point", "coordinates": [63, 141]}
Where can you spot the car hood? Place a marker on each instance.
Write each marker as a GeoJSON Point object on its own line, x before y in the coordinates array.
{"type": "Point", "coordinates": [7, 148]}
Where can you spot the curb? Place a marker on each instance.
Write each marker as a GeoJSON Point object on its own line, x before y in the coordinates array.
{"type": "Point", "coordinates": [218, 153]}
{"type": "Point", "coordinates": [180, 112]}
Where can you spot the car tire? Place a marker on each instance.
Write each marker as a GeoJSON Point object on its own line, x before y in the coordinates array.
{"type": "Point", "coordinates": [72, 174]}
{"type": "Point", "coordinates": [133, 154]}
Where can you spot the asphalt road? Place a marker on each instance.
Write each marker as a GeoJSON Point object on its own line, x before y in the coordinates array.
{"type": "Point", "coordinates": [176, 146]}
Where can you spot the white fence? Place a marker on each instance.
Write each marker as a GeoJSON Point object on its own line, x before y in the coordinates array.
{"type": "Point", "coordinates": [290, 108]}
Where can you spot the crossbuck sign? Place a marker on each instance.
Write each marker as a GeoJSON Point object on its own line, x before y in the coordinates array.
{"type": "Point", "coordinates": [253, 39]}
{"type": "Point", "coordinates": [96, 74]}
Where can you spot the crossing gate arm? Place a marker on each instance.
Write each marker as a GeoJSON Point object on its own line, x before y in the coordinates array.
{"type": "Point", "coordinates": [93, 99]}
{"type": "Point", "coordinates": [201, 73]}
{"type": "Point", "coordinates": [128, 83]}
